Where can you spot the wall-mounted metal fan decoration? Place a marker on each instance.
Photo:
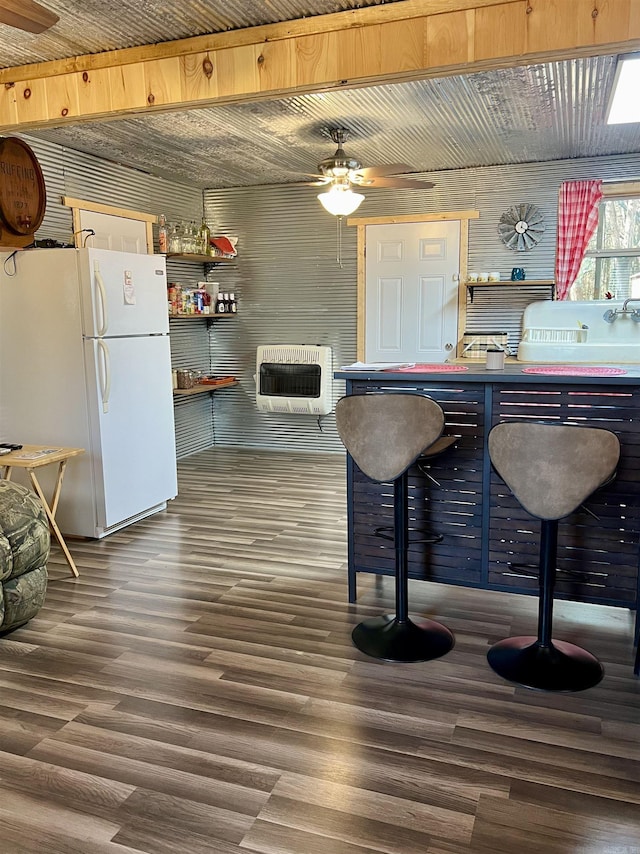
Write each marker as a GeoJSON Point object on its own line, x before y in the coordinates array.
{"type": "Point", "coordinates": [521, 227]}
{"type": "Point", "coordinates": [26, 15]}
{"type": "Point", "coordinates": [344, 170]}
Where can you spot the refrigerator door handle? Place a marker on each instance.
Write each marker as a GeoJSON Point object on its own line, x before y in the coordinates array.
{"type": "Point", "coordinates": [105, 375]}
{"type": "Point", "coordinates": [102, 301]}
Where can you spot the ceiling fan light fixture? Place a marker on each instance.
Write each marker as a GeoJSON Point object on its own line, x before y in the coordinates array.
{"type": "Point", "coordinates": [340, 201]}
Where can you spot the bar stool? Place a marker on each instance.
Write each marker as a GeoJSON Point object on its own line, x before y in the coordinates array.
{"type": "Point", "coordinates": [385, 434]}
{"type": "Point", "coordinates": [551, 469]}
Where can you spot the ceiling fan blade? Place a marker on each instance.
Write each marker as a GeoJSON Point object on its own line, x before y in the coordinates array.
{"type": "Point", "coordinates": [320, 180]}
{"type": "Point", "coordinates": [382, 171]}
{"type": "Point", "coordinates": [26, 15]}
{"type": "Point", "coordinates": [398, 183]}
{"type": "Point", "coordinates": [322, 183]}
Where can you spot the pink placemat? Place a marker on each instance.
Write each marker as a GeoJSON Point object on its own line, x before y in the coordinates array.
{"type": "Point", "coordinates": [575, 371]}
{"type": "Point", "coordinates": [432, 369]}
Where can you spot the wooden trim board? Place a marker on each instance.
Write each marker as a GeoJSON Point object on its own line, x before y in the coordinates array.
{"type": "Point", "coordinates": [110, 210]}
{"type": "Point", "coordinates": [395, 42]}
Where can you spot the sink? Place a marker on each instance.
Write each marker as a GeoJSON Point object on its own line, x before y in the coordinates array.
{"type": "Point", "coordinates": [576, 332]}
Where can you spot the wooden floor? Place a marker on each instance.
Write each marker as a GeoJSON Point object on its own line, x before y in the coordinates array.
{"type": "Point", "coordinates": [196, 690]}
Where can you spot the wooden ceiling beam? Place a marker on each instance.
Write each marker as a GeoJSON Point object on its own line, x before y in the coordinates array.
{"type": "Point", "coordinates": [397, 10]}
{"type": "Point", "coordinates": [404, 40]}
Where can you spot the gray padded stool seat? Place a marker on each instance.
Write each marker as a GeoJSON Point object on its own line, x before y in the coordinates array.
{"type": "Point", "coordinates": [385, 434]}
{"type": "Point", "coordinates": [551, 469]}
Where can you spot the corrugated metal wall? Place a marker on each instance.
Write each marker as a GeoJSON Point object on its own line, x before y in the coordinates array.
{"type": "Point", "coordinates": [83, 176]}
{"type": "Point", "coordinates": [291, 290]}
{"type": "Point", "coordinates": [289, 285]}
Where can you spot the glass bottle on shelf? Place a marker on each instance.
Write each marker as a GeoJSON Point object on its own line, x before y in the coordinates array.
{"type": "Point", "coordinates": [220, 304]}
{"type": "Point", "coordinates": [163, 235]}
{"type": "Point", "coordinates": [185, 241]}
{"type": "Point", "coordinates": [233, 305]}
{"type": "Point", "coordinates": [193, 238]}
{"type": "Point", "coordinates": [203, 238]}
{"type": "Point", "coordinates": [175, 240]}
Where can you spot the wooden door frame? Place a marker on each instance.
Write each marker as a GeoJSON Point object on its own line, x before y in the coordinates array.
{"type": "Point", "coordinates": [78, 205]}
{"type": "Point", "coordinates": [361, 223]}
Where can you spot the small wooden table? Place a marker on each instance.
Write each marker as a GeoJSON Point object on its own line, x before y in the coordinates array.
{"type": "Point", "coordinates": [31, 457]}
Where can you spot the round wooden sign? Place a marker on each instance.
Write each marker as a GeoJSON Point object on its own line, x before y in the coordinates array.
{"type": "Point", "coordinates": [23, 196]}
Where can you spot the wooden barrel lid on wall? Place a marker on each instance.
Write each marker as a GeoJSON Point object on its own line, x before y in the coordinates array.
{"type": "Point", "coordinates": [23, 196]}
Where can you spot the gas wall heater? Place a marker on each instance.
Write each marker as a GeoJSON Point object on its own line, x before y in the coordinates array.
{"type": "Point", "coordinates": [295, 378]}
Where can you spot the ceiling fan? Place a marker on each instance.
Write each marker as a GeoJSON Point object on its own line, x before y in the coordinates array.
{"type": "Point", "coordinates": [26, 15]}
{"type": "Point", "coordinates": [345, 171]}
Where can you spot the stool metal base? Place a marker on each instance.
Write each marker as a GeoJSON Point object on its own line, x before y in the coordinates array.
{"type": "Point", "coordinates": [560, 666]}
{"type": "Point", "coordinates": [414, 639]}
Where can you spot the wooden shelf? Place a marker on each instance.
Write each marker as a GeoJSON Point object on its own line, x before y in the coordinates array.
{"type": "Point", "coordinates": [201, 316]}
{"type": "Point", "coordinates": [507, 283]}
{"type": "Point", "coordinates": [201, 388]}
{"type": "Point", "coordinates": [199, 259]}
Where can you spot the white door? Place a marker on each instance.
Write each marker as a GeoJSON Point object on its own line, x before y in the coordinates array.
{"type": "Point", "coordinates": [411, 301]}
{"type": "Point", "coordinates": [113, 232]}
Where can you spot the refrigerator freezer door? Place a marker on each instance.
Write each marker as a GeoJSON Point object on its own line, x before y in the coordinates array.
{"type": "Point", "coordinates": [131, 415]}
{"type": "Point", "coordinates": [122, 293]}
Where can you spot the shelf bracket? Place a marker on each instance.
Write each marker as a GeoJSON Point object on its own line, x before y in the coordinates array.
{"type": "Point", "coordinates": [520, 284]}
{"type": "Point", "coordinates": [209, 265]}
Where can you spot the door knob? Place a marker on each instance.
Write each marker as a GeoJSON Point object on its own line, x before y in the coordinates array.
{"type": "Point", "coordinates": [448, 346]}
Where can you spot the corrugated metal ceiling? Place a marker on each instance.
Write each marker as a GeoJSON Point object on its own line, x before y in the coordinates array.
{"type": "Point", "coordinates": [515, 115]}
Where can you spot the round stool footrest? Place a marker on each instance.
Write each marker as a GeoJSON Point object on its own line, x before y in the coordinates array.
{"type": "Point", "coordinates": [559, 667]}
{"type": "Point", "coordinates": [389, 639]}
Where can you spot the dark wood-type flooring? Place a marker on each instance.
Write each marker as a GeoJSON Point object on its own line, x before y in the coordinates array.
{"type": "Point", "coordinates": [196, 690]}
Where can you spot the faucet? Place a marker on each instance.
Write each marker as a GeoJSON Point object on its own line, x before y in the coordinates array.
{"type": "Point", "coordinates": [610, 315]}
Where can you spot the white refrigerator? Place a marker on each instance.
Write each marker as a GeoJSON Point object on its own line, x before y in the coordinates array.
{"type": "Point", "coordinates": [85, 362]}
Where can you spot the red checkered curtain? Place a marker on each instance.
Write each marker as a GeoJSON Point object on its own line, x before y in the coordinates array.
{"type": "Point", "coordinates": [577, 220]}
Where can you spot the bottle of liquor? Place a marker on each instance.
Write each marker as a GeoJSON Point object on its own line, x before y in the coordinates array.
{"type": "Point", "coordinates": [220, 304]}
{"type": "Point", "coordinates": [163, 235]}
{"type": "Point", "coordinates": [233, 305]}
{"type": "Point", "coordinates": [191, 238]}
{"type": "Point", "coordinates": [203, 238]}
{"type": "Point", "coordinates": [175, 240]}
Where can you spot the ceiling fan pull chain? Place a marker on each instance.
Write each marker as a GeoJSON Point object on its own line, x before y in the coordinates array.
{"type": "Point", "coordinates": [339, 240]}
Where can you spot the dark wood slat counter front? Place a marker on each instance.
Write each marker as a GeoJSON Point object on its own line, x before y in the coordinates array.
{"type": "Point", "coordinates": [489, 541]}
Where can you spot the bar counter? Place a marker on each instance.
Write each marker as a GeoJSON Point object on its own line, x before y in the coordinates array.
{"type": "Point", "coordinates": [489, 541]}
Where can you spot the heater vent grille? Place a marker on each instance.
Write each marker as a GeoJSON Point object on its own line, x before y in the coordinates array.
{"type": "Point", "coordinates": [295, 378]}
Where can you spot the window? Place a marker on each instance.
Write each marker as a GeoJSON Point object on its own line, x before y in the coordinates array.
{"type": "Point", "coordinates": [611, 266]}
